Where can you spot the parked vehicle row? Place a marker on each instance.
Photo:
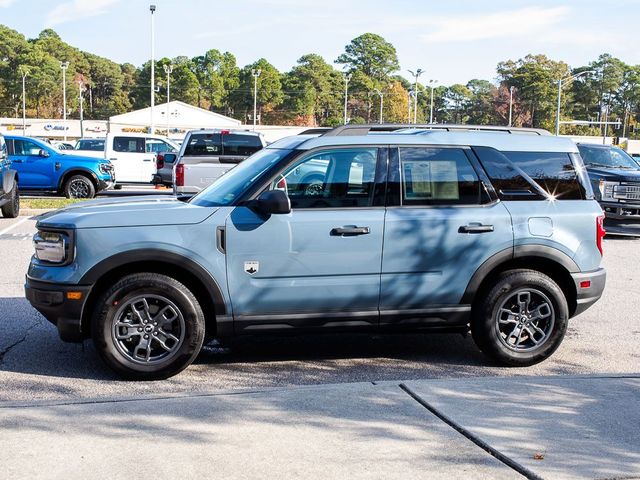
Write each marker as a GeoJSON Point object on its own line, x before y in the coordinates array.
{"type": "Point", "coordinates": [457, 231]}
{"type": "Point", "coordinates": [9, 194]}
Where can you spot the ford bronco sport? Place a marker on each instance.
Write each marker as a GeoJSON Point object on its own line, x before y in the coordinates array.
{"type": "Point", "coordinates": [496, 233]}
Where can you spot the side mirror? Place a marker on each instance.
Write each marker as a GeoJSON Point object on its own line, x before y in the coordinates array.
{"type": "Point", "coordinates": [272, 202]}
{"type": "Point", "coordinates": [43, 153]}
{"type": "Point", "coordinates": [170, 157]}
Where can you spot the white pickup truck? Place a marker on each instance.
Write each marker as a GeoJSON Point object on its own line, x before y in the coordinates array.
{"type": "Point", "coordinates": [207, 154]}
{"type": "Point", "coordinates": [133, 155]}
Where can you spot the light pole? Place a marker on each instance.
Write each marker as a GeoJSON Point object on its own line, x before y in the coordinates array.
{"type": "Point", "coordinates": [168, 69]}
{"type": "Point", "coordinates": [409, 95]}
{"type": "Point", "coordinates": [256, 73]}
{"type": "Point", "coordinates": [64, 66]}
{"type": "Point", "coordinates": [432, 84]}
{"type": "Point", "coordinates": [81, 89]}
{"type": "Point", "coordinates": [347, 79]}
{"type": "Point", "coordinates": [510, 104]}
{"type": "Point", "coordinates": [152, 9]}
{"type": "Point", "coordinates": [560, 81]}
{"type": "Point", "coordinates": [415, 89]}
{"type": "Point", "coordinates": [381, 95]}
{"type": "Point", "coordinates": [24, 73]}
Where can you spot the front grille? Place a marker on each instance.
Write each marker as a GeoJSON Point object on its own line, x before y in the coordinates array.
{"type": "Point", "coordinates": [627, 192]}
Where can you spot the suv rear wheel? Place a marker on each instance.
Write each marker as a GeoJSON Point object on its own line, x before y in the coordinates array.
{"type": "Point", "coordinates": [148, 327]}
{"type": "Point", "coordinates": [522, 320]}
{"type": "Point", "coordinates": [12, 208]}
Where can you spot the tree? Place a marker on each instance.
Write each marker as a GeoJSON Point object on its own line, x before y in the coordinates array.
{"type": "Point", "coordinates": [269, 91]}
{"type": "Point", "coordinates": [372, 55]}
{"type": "Point", "coordinates": [217, 75]}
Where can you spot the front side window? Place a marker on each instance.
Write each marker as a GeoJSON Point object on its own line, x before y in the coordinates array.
{"type": "Point", "coordinates": [204, 144]}
{"type": "Point", "coordinates": [241, 145]}
{"type": "Point", "coordinates": [340, 178]}
{"type": "Point", "coordinates": [157, 146]}
{"type": "Point", "coordinates": [438, 176]}
{"type": "Point", "coordinates": [26, 147]}
{"type": "Point", "coordinates": [128, 144]}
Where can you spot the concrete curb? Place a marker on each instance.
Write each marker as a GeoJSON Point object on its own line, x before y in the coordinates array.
{"type": "Point", "coordinates": [34, 212]}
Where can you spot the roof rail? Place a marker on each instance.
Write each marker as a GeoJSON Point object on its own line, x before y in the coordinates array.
{"type": "Point", "coordinates": [358, 130]}
{"type": "Point", "coordinates": [315, 131]}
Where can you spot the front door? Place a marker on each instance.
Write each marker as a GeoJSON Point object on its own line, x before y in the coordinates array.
{"type": "Point", "coordinates": [319, 266]}
{"type": "Point", "coordinates": [34, 170]}
{"type": "Point", "coordinates": [129, 157]}
{"type": "Point", "coordinates": [441, 225]}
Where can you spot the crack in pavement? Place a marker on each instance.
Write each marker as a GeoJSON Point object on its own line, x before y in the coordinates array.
{"type": "Point", "coordinates": [8, 349]}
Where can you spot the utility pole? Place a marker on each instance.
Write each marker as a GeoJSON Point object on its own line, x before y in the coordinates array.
{"type": "Point", "coordinates": [256, 73]}
{"type": "Point", "coordinates": [560, 81]}
{"type": "Point", "coordinates": [152, 9]}
{"type": "Point", "coordinates": [432, 83]}
{"type": "Point", "coordinates": [81, 89]}
{"type": "Point", "coordinates": [510, 104]}
{"type": "Point", "coordinates": [64, 66]}
{"type": "Point", "coordinates": [381, 95]}
{"type": "Point", "coordinates": [24, 73]}
{"type": "Point", "coordinates": [168, 69]}
{"type": "Point", "coordinates": [347, 79]}
{"type": "Point", "coordinates": [415, 89]}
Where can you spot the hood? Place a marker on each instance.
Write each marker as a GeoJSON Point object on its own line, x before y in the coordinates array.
{"type": "Point", "coordinates": [84, 154]}
{"type": "Point", "coordinates": [127, 212]}
{"type": "Point", "coordinates": [615, 174]}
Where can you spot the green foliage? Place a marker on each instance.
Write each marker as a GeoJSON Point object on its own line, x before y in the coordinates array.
{"type": "Point", "coordinates": [372, 55]}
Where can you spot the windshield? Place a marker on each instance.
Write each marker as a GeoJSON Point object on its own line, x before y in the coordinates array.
{"type": "Point", "coordinates": [230, 186]}
{"type": "Point", "coordinates": [607, 157]}
{"type": "Point", "coordinates": [93, 145]}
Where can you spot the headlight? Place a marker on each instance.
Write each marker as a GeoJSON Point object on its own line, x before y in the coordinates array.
{"type": "Point", "coordinates": [607, 190]}
{"type": "Point", "coordinates": [105, 167]}
{"type": "Point", "coordinates": [52, 247]}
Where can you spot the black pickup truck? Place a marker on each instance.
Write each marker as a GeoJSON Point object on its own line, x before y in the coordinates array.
{"type": "Point", "coordinates": [615, 177]}
{"type": "Point", "coordinates": [9, 196]}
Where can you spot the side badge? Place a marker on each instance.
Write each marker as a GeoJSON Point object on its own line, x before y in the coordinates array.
{"type": "Point", "coordinates": [251, 267]}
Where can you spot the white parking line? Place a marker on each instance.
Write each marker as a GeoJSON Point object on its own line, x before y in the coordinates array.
{"type": "Point", "coordinates": [11, 227]}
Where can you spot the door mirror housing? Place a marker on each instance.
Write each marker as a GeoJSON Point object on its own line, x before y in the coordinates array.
{"type": "Point", "coordinates": [43, 153]}
{"type": "Point", "coordinates": [170, 157]}
{"type": "Point", "coordinates": [271, 202]}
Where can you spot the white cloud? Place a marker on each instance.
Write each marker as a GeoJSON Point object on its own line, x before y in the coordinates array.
{"type": "Point", "coordinates": [77, 10]}
{"type": "Point", "coordinates": [6, 3]}
{"type": "Point", "coordinates": [524, 21]}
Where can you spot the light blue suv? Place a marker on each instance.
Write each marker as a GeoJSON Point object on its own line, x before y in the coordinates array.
{"type": "Point", "coordinates": [492, 232]}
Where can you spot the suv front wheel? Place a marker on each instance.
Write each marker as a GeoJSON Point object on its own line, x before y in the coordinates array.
{"type": "Point", "coordinates": [522, 320]}
{"type": "Point", "coordinates": [148, 327]}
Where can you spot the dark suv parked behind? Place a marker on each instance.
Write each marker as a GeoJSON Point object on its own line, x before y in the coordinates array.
{"type": "Point", "coordinates": [9, 196]}
{"type": "Point", "coordinates": [615, 177]}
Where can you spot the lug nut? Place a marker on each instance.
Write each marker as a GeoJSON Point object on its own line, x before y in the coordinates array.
{"type": "Point", "coordinates": [139, 329]}
{"type": "Point", "coordinates": [146, 336]}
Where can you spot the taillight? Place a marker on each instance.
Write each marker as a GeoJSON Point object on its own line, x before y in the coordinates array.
{"type": "Point", "coordinates": [282, 184]}
{"type": "Point", "coordinates": [160, 161]}
{"type": "Point", "coordinates": [180, 175]}
{"type": "Point", "coordinates": [600, 232]}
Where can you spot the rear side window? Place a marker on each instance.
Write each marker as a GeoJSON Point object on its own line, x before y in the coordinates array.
{"type": "Point", "coordinates": [438, 176]}
{"type": "Point", "coordinates": [204, 144]}
{"type": "Point", "coordinates": [128, 144]}
{"type": "Point", "coordinates": [242, 145]}
{"type": "Point", "coordinates": [528, 175]}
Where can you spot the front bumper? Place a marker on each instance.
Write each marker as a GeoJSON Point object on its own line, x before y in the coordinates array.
{"type": "Point", "coordinates": [621, 218]}
{"type": "Point", "coordinates": [587, 296]}
{"type": "Point", "coordinates": [52, 300]}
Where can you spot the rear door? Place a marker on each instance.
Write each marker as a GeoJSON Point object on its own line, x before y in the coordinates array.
{"type": "Point", "coordinates": [442, 223]}
{"type": "Point", "coordinates": [130, 159]}
{"type": "Point", "coordinates": [34, 170]}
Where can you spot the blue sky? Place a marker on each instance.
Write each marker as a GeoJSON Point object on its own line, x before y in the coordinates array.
{"type": "Point", "coordinates": [453, 40]}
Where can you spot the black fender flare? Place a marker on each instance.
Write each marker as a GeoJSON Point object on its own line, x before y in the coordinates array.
{"type": "Point", "coordinates": [9, 180]}
{"type": "Point", "coordinates": [519, 251]}
{"type": "Point", "coordinates": [109, 264]}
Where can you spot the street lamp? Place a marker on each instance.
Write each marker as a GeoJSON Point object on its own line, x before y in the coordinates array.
{"type": "Point", "coordinates": [64, 66]}
{"type": "Point", "coordinates": [409, 97]}
{"type": "Point", "coordinates": [560, 81]}
{"type": "Point", "coordinates": [417, 73]}
{"type": "Point", "coordinates": [381, 95]}
{"type": "Point", "coordinates": [168, 69]}
{"type": "Point", "coordinates": [347, 79]}
{"type": "Point", "coordinates": [152, 9]}
{"type": "Point", "coordinates": [24, 72]}
{"type": "Point", "coordinates": [432, 84]}
{"type": "Point", "coordinates": [81, 89]}
{"type": "Point", "coordinates": [256, 73]}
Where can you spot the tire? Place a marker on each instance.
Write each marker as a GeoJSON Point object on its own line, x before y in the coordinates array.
{"type": "Point", "coordinates": [522, 319]}
{"type": "Point", "coordinates": [79, 186]}
{"type": "Point", "coordinates": [134, 348]}
{"type": "Point", "coordinates": [12, 208]}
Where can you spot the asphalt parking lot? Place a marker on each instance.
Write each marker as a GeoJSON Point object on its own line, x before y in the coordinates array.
{"type": "Point", "coordinates": [36, 365]}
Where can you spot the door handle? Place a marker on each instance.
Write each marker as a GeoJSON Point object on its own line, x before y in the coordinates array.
{"type": "Point", "coordinates": [349, 231]}
{"type": "Point", "coordinates": [112, 159]}
{"type": "Point", "coordinates": [146, 160]}
{"type": "Point", "coordinates": [17, 161]}
{"type": "Point", "coordinates": [475, 228]}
